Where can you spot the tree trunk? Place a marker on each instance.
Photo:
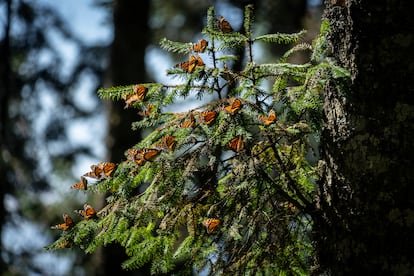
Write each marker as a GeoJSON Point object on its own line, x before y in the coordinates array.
{"type": "Point", "coordinates": [5, 93]}
{"type": "Point", "coordinates": [127, 66]}
{"type": "Point", "coordinates": [365, 223]}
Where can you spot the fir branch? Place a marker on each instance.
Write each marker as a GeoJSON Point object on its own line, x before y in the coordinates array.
{"type": "Point", "coordinates": [248, 20]}
{"type": "Point", "coordinates": [176, 47]}
{"type": "Point", "coordinates": [281, 69]}
{"type": "Point", "coordinates": [228, 41]}
{"type": "Point", "coordinates": [281, 38]}
{"type": "Point", "coordinates": [211, 20]}
{"type": "Point", "coordinates": [319, 44]}
{"type": "Point", "coordinates": [294, 49]}
{"type": "Point", "coordinates": [114, 93]}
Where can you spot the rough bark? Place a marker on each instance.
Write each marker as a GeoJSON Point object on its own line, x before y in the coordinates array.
{"type": "Point", "coordinates": [366, 221]}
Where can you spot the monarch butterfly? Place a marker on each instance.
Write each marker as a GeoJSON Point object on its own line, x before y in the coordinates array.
{"type": "Point", "coordinates": [150, 154]}
{"type": "Point", "coordinates": [88, 212]}
{"type": "Point", "coordinates": [234, 107]}
{"type": "Point", "coordinates": [137, 156]}
{"type": "Point", "coordinates": [168, 142]}
{"type": "Point", "coordinates": [200, 46]}
{"type": "Point", "coordinates": [183, 65]}
{"type": "Point", "coordinates": [139, 95]}
{"type": "Point", "coordinates": [267, 120]}
{"type": "Point", "coordinates": [140, 91]}
{"type": "Point", "coordinates": [209, 116]}
{"type": "Point", "coordinates": [107, 168]}
{"type": "Point", "coordinates": [96, 172]}
{"type": "Point", "coordinates": [188, 123]}
{"type": "Point", "coordinates": [64, 226]}
{"type": "Point", "coordinates": [65, 244]}
{"type": "Point", "coordinates": [194, 62]}
{"type": "Point", "coordinates": [140, 156]}
{"type": "Point", "coordinates": [83, 185]}
{"type": "Point", "coordinates": [103, 169]}
{"type": "Point", "coordinates": [224, 25]}
{"type": "Point", "coordinates": [148, 111]}
{"type": "Point", "coordinates": [211, 225]}
{"type": "Point", "coordinates": [190, 65]}
{"type": "Point", "coordinates": [134, 154]}
{"type": "Point", "coordinates": [236, 144]}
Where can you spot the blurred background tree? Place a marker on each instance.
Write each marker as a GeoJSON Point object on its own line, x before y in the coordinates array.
{"type": "Point", "coordinates": [48, 105]}
{"type": "Point", "coordinates": [41, 108]}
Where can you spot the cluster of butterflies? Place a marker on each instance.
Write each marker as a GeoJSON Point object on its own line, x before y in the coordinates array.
{"type": "Point", "coordinates": [105, 170]}
{"type": "Point", "coordinates": [100, 171]}
{"type": "Point", "coordinates": [208, 117]}
{"type": "Point", "coordinates": [140, 156]}
{"type": "Point", "coordinates": [236, 144]}
{"type": "Point", "coordinates": [88, 212]}
{"type": "Point", "coordinates": [195, 60]}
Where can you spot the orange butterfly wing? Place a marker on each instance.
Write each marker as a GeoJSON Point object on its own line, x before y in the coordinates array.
{"type": "Point", "coordinates": [148, 111]}
{"type": "Point", "coordinates": [211, 225]}
{"type": "Point", "coordinates": [138, 95]}
{"type": "Point", "coordinates": [103, 169]}
{"type": "Point", "coordinates": [192, 64]}
{"type": "Point", "coordinates": [130, 99]}
{"type": "Point", "coordinates": [200, 62]}
{"type": "Point", "coordinates": [234, 107]}
{"type": "Point", "coordinates": [107, 168]}
{"type": "Point", "coordinates": [236, 144]}
{"type": "Point", "coordinates": [209, 116]}
{"type": "Point", "coordinates": [140, 91]}
{"type": "Point", "coordinates": [168, 142]}
{"type": "Point", "coordinates": [150, 154]}
{"type": "Point", "coordinates": [68, 220]}
{"type": "Point", "coordinates": [65, 244]}
{"type": "Point", "coordinates": [64, 226]}
{"type": "Point", "coordinates": [201, 46]}
{"type": "Point", "coordinates": [183, 65]}
{"type": "Point", "coordinates": [140, 156]}
{"type": "Point", "coordinates": [267, 120]}
{"type": "Point", "coordinates": [133, 154]}
{"type": "Point", "coordinates": [83, 185]}
{"type": "Point", "coordinates": [188, 123]}
{"type": "Point", "coordinates": [224, 25]}
{"type": "Point", "coordinates": [137, 156]}
{"type": "Point", "coordinates": [140, 162]}
{"type": "Point", "coordinates": [96, 172]}
{"type": "Point", "coordinates": [88, 212]}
